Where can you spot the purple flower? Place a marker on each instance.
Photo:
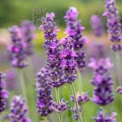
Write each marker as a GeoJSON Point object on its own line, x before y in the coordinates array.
{"type": "Point", "coordinates": [17, 48]}
{"type": "Point", "coordinates": [97, 26]}
{"type": "Point", "coordinates": [74, 30]}
{"type": "Point", "coordinates": [80, 98]}
{"type": "Point", "coordinates": [18, 110]}
{"type": "Point", "coordinates": [27, 28]}
{"type": "Point", "coordinates": [102, 81]}
{"type": "Point", "coordinates": [60, 107]}
{"type": "Point", "coordinates": [119, 90]}
{"type": "Point", "coordinates": [105, 117]}
{"type": "Point", "coordinates": [97, 50]}
{"type": "Point", "coordinates": [113, 24]}
{"type": "Point", "coordinates": [44, 92]}
{"type": "Point", "coordinates": [3, 93]}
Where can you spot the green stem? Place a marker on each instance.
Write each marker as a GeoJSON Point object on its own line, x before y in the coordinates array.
{"type": "Point", "coordinates": [23, 87]}
{"type": "Point", "coordinates": [118, 67]}
{"type": "Point", "coordinates": [73, 90]}
{"type": "Point", "coordinates": [56, 94]}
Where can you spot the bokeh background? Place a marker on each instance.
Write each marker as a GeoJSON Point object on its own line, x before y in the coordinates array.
{"type": "Point", "coordinates": [13, 12]}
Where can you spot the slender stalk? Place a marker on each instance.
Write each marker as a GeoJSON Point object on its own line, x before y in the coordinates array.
{"type": "Point", "coordinates": [73, 90]}
{"type": "Point", "coordinates": [117, 62]}
{"type": "Point", "coordinates": [0, 118]}
{"type": "Point", "coordinates": [23, 86]}
{"type": "Point", "coordinates": [58, 102]}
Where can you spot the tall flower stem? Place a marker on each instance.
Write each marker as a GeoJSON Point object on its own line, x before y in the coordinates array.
{"type": "Point", "coordinates": [22, 84]}
{"type": "Point", "coordinates": [117, 61]}
{"type": "Point", "coordinates": [73, 90]}
{"type": "Point", "coordinates": [57, 99]}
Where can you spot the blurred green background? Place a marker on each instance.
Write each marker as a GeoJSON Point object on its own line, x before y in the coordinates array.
{"type": "Point", "coordinates": [14, 11]}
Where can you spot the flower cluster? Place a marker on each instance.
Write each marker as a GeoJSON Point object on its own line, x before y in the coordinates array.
{"type": "Point", "coordinates": [17, 48]}
{"type": "Point", "coordinates": [74, 30]}
{"type": "Point", "coordinates": [18, 110]}
{"type": "Point", "coordinates": [3, 93]}
{"type": "Point", "coordinates": [105, 117]}
{"type": "Point", "coordinates": [113, 24]}
{"type": "Point", "coordinates": [81, 99]}
{"type": "Point", "coordinates": [119, 90]}
{"type": "Point", "coordinates": [44, 92]}
{"type": "Point", "coordinates": [103, 91]}
{"type": "Point", "coordinates": [27, 30]}
{"type": "Point", "coordinates": [96, 24]}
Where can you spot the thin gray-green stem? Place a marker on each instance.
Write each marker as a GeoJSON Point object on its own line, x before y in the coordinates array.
{"type": "Point", "coordinates": [73, 90]}
{"type": "Point", "coordinates": [80, 80]}
{"type": "Point", "coordinates": [23, 87]}
{"type": "Point", "coordinates": [117, 61]}
{"type": "Point", "coordinates": [56, 95]}
{"type": "Point", "coordinates": [0, 118]}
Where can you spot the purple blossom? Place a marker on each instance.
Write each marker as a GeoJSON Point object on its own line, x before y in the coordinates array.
{"type": "Point", "coordinates": [27, 28]}
{"type": "Point", "coordinates": [105, 117]}
{"type": "Point", "coordinates": [102, 81]}
{"type": "Point", "coordinates": [17, 48]}
{"type": "Point", "coordinates": [113, 24]}
{"type": "Point", "coordinates": [119, 90]}
{"type": "Point", "coordinates": [96, 24]}
{"type": "Point", "coordinates": [60, 107]}
{"type": "Point", "coordinates": [3, 93]}
{"type": "Point", "coordinates": [44, 92]}
{"type": "Point", "coordinates": [74, 30]}
{"type": "Point", "coordinates": [18, 110]}
{"type": "Point", "coordinates": [80, 98]}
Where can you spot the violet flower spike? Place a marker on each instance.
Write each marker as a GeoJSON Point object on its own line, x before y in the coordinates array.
{"type": "Point", "coordinates": [28, 28]}
{"type": "Point", "coordinates": [18, 110]}
{"type": "Point", "coordinates": [113, 24]}
{"type": "Point", "coordinates": [96, 24]}
{"type": "Point", "coordinates": [17, 48]}
{"type": "Point", "coordinates": [3, 93]}
{"type": "Point", "coordinates": [102, 81]}
{"type": "Point", "coordinates": [74, 30]}
{"type": "Point", "coordinates": [101, 117]}
{"type": "Point", "coordinates": [44, 92]}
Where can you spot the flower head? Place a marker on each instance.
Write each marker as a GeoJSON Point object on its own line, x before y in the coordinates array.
{"type": "Point", "coordinates": [17, 48]}
{"type": "Point", "coordinates": [102, 81]}
{"type": "Point", "coordinates": [18, 110]}
{"type": "Point", "coordinates": [105, 117]}
{"type": "Point", "coordinates": [3, 93]}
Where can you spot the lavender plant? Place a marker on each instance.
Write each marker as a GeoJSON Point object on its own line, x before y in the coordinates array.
{"type": "Point", "coordinates": [103, 91]}
{"type": "Point", "coordinates": [27, 28]}
{"type": "Point", "coordinates": [96, 24]}
{"type": "Point", "coordinates": [3, 93]}
{"type": "Point", "coordinates": [18, 110]}
{"type": "Point", "coordinates": [101, 117]}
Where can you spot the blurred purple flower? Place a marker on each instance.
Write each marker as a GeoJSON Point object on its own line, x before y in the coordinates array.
{"type": "Point", "coordinates": [18, 110]}
{"type": "Point", "coordinates": [103, 91]}
{"type": "Point", "coordinates": [119, 90]}
{"type": "Point", "coordinates": [17, 48]}
{"type": "Point", "coordinates": [27, 28]}
{"type": "Point", "coordinates": [105, 117]}
{"type": "Point", "coordinates": [3, 93]}
{"type": "Point", "coordinates": [96, 24]}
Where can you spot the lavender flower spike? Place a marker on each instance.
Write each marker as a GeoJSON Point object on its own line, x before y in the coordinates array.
{"type": "Point", "coordinates": [27, 30]}
{"type": "Point", "coordinates": [3, 93]}
{"type": "Point", "coordinates": [97, 26]}
{"type": "Point", "coordinates": [105, 117]}
{"type": "Point", "coordinates": [119, 90]}
{"type": "Point", "coordinates": [113, 24]}
{"type": "Point", "coordinates": [74, 30]}
{"type": "Point", "coordinates": [44, 92]}
{"type": "Point", "coordinates": [17, 48]}
{"type": "Point", "coordinates": [103, 91]}
{"type": "Point", "coordinates": [18, 110]}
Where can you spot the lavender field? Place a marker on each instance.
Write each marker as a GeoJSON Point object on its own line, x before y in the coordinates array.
{"type": "Point", "coordinates": [62, 66]}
